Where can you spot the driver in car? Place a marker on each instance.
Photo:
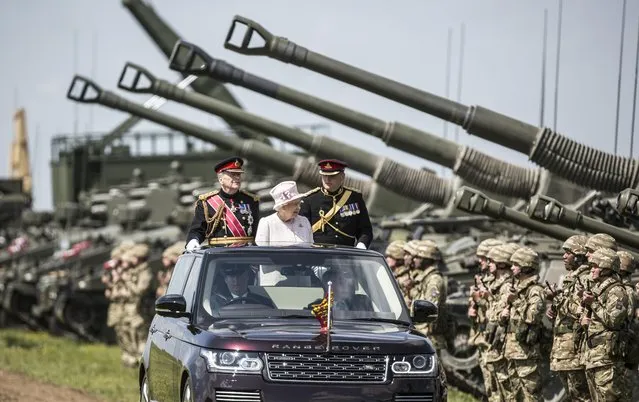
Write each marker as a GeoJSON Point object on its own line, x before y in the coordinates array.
{"type": "Point", "coordinates": [236, 279]}
{"type": "Point", "coordinates": [344, 286]}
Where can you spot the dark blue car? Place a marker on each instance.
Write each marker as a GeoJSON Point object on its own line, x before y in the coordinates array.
{"type": "Point", "coordinates": [237, 324]}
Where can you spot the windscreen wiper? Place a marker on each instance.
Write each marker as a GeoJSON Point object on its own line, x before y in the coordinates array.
{"type": "Point", "coordinates": [378, 319]}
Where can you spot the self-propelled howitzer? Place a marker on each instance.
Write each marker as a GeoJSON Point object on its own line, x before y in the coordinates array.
{"type": "Point", "coordinates": [475, 202]}
{"type": "Point", "coordinates": [546, 209]}
{"type": "Point", "coordinates": [165, 37]}
{"type": "Point", "coordinates": [420, 185]}
{"type": "Point", "coordinates": [586, 166]}
{"type": "Point", "coordinates": [476, 168]}
{"type": "Point", "coordinates": [304, 170]}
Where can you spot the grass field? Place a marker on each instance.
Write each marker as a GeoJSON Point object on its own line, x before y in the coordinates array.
{"type": "Point", "coordinates": [94, 368]}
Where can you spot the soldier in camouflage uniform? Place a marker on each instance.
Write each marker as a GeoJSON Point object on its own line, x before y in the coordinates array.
{"type": "Point", "coordinates": [431, 286]}
{"type": "Point", "coordinates": [626, 269]}
{"type": "Point", "coordinates": [395, 260]}
{"type": "Point", "coordinates": [415, 265]}
{"type": "Point", "coordinates": [497, 365]}
{"type": "Point", "coordinates": [117, 294]}
{"type": "Point", "coordinates": [478, 304]}
{"type": "Point", "coordinates": [606, 305]}
{"type": "Point", "coordinates": [524, 325]}
{"type": "Point", "coordinates": [169, 258]}
{"type": "Point", "coordinates": [565, 313]}
{"type": "Point", "coordinates": [138, 279]}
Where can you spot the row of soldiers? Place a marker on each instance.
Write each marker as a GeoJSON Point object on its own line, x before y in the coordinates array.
{"type": "Point", "coordinates": [593, 345]}
{"type": "Point", "coordinates": [128, 279]}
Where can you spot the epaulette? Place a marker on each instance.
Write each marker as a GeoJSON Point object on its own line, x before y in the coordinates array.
{"type": "Point", "coordinates": [353, 189]}
{"type": "Point", "coordinates": [316, 189]}
{"type": "Point", "coordinates": [254, 196]}
{"type": "Point", "coordinates": [207, 195]}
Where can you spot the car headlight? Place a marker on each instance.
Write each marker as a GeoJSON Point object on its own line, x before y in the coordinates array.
{"type": "Point", "coordinates": [231, 361]}
{"type": "Point", "coordinates": [413, 365]}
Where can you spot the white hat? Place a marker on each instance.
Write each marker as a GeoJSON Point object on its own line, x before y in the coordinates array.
{"type": "Point", "coordinates": [285, 192]}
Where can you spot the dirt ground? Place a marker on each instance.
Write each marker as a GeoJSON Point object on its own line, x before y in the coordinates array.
{"type": "Point", "coordinates": [19, 388]}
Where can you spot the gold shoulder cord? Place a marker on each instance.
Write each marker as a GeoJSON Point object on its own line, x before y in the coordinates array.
{"type": "Point", "coordinates": [326, 217]}
{"type": "Point", "coordinates": [213, 222]}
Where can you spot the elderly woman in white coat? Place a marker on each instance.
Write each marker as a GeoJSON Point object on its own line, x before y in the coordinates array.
{"type": "Point", "coordinates": [285, 227]}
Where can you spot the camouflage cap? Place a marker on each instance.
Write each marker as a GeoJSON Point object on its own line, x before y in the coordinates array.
{"type": "Point", "coordinates": [626, 261]}
{"type": "Point", "coordinates": [502, 253]}
{"type": "Point", "coordinates": [601, 240]}
{"type": "Point", "coordinates": [137, 251]}
{"type": "Point", "coordinates": [526, 257]}
{"type": "Point", "coordinates": [485, 245]}
{"type": "Point", "coordinates": [429, 250]}
{"type": "Point", "coordinates": [411, 247]}
{"type": "Point", "coordinates": [605, 258]}
{"type": "Point", "coordinates": [576, 244]}
{"type": "Point", "coordinates": [395, 249]}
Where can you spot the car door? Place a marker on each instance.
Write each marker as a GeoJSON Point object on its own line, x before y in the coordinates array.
{"type": "Point", "coordinates": [160, 371]}
{"type": "Point", "coordinates": [178, 328]}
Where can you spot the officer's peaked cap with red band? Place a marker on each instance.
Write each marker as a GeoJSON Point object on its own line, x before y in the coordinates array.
{"type": "Point", "coordinates": [329, 167]}
{"type": "Point", "coordinates": [231, 165]}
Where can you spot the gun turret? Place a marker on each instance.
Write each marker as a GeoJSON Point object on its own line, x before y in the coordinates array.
{"type": "Point", "coordinates": [583, 165]}
{"type": "Point", "coordinates": [165, 37]}
{"type": "Point", "coordinates": [475, 202]}
{"type": "Point", "coordinates": [546, 209]}
{"type": "Point", "coordinates": [475, 167]}
{"type": "Point", "coordinates": [302, 169]}
{"type": "Point", "coordinates": [417, 184]}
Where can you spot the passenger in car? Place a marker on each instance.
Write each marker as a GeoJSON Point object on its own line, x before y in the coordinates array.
{"type": "Point", "coordinates": [236, 279]}
{"type": "Point", "coordinates": [285, 227]}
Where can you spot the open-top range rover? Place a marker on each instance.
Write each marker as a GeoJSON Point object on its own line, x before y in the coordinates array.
{"type": "Point", "coordinates": [245, 324]}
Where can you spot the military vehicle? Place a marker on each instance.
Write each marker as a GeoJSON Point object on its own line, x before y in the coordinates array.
{"type": "Point", "coordinates": [416, 184]}
{"type": "Point", "coordinates": [475, 167]}
{"type": "Point", "coordinates": [566, 158]}
{"type": "Point", "coordinates": [302, 169]}
{"type": "Point", "coordinates": [547, 209]}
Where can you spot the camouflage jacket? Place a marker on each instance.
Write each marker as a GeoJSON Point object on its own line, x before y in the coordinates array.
{"type": "Point", "coordinates": [476, 336]}
{"type": "Point", "coordinates": [432, 287]}
{"type": "Point", "coordinates": [138, 280]}
{"type": "Point", "coordinates": [526, 313]}
{"type": "Point", "coordinates": [633, 299]}
{"type": "Point", "coordinates": [609, 315]}
{"type": "Point", "coordinates": [405, 281]}
{"type": "Point", "coordinates": [565, 355]}
{"type": "Point", "coordinates": [496, 303]}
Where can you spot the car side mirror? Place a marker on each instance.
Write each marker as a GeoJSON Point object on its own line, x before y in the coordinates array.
{"type": "Point", "coordinates": [171, 306]}
{"type": "Point", "coordinates": [424, 311]}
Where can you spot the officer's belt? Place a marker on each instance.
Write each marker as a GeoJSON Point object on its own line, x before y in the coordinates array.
{"type": "Point", "coordinates": [325, 218]}
{"type": "Point", "coordinates": [230, 240]}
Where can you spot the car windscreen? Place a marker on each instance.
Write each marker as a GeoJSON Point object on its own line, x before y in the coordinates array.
{"type": "Point", "coordinates": [288, 283]}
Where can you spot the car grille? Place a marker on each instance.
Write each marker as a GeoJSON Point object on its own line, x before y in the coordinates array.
{"type": "Point", "coordinates": [414, 398]}
{"type": "Point", "coordinates": [237, 396]}
{"type": "Point", "coordinates": [321, 368]}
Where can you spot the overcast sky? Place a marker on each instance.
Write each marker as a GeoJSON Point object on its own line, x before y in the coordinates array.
{"type": "Point", "coordinates": [404, 40]}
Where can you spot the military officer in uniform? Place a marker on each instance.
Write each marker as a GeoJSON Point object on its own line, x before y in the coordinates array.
{"type": "Point", "coordinates": [226, 216]}
{"type": "Point", "coordinates": [338, 214]}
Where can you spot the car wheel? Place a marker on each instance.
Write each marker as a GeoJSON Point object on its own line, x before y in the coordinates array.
{"type": "Point", "coordinates": [187, 395]}
{"type": "Point", "coordinates": [144, 389]}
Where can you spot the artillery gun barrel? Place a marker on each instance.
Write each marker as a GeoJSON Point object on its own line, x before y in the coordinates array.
{"type": "Point", "coordinates": [475, 167]}
{"type": "Point", "coordinates": [458, 220]}
{"type": "Point", "coordinates": [475, 202]}
{"type": "Point", "coordinates": [165, 37]}
{"type": "Point", "coordinates": [417, 184]}
{"type": "Point", "coordinates": [547, 209]}
{"type": "Point", "coordinates": [586, 166]}
{"type": "Point", "coordinates": [301, 168]}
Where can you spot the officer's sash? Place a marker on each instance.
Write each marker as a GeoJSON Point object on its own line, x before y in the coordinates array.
{"type": "Point", "coordinates": [234, 224]}
{"type": "Point", "coordinates": [331, 212]}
